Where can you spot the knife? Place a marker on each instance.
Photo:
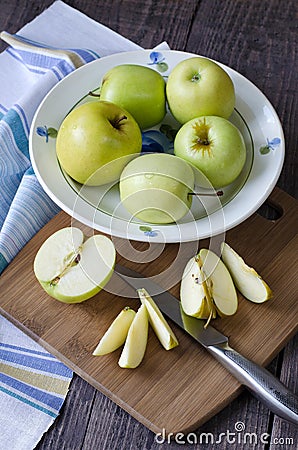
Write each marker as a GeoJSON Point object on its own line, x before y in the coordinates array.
{"type": "Point", "coordinates": [259, 381]}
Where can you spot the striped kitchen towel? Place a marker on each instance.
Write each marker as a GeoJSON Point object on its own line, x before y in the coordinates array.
{"type": "Point", "coordinates": [41, 54]}
{"type": "Point", "coordinates": [33, 384]}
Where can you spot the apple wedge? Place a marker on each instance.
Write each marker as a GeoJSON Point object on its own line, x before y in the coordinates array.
{"type": "Point", "coordinates": [136, 341]}
{"type": "Point", "coordinates": [192, 293]}
{"type": "Point", "coordinates": [116, 334]}
{"type": "Point", "coordinates": [221, 284]}
{"type": "Point", "coordinates": [73, 270]}
{"type": "Point", "coordinates": [157, 321]}
{"type": "Point", "coordinates": [249, 283]}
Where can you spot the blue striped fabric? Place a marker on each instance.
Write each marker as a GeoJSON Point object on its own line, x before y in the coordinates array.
{"type": "Point", "coordinates": [24, 206]}
{"type": "Point", "coordinates": [30, 375]}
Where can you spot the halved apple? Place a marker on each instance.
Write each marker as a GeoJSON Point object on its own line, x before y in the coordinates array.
{"type": "Point", "coordinates": [73, 270]}
{"type": "Point", "coordinates": [117, 332]}
{"type": "Point", "coordinates": [222, 288]}
{"type": "Point", "coordinates": [136, 341]}
{"type": "Point", "coordinates": [249, 283]}
{"type": "Point", "coordinates": [159, 324]}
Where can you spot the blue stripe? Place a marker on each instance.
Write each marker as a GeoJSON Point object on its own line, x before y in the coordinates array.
{"type": "Point", "coordinates": [15, 55]}
{"type": "Point", "coordinates": [86, 55]}
{"type": "Point", "coordinates": [43, 397]}
{"type": "Point", "coordinates": [15, 123]}
{"type": "Point", "coordinates": [27, 350]}
{"type": "Point", "coordinates": [30, 41]}
{"type": "Point", "coordinates": [54, 367]}
{"type": "Point", "coordinates": [38, 59]}
{"type": "Point", "coordinates": [3, 263]}
{"type": "Point", "coordinates": [22, 113]}
{"type": "Point", "coordinates": [28, 402]}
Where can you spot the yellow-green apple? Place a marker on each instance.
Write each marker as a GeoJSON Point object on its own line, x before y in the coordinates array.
{"type": "Point", "coordinates": [248, 282]}
{"type": "Point", "coordinates": [71, 269]}
{"type": "Point", "coordinates": [95, 141]}
{"type": "Point", "coordinates": [221, 284]}
{"type": "Point", "coordinates": [214, 146]}
{"type": "Point", "coordinates": [195, 301]}
{"type": "Point", "coordinates": [155, 187]}
{"type": "Point", "coordinates": [157, 321]}
{"type": "Point", "coordinates": [116, 334]}
{"type": "Point", "coordinates": [207, 288]}
{"type": "Point", "coordinates": [197, 87]}
{"type": "Point", "coordinates": [138, 89]}
{"type": "Point", "coordinates": [136, 340]}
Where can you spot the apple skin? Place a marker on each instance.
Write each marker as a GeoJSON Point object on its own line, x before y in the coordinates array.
{"type": "Point", "coordinates": [95, 141]}
{"type": "Point", "coordinates": [199, 87]}
{"type": "Point", "coordinates": [72, 269]}
{"type": "Point", "coordinates": [214, 146]}
{"type": "Point", "coordinates": [154, 187]}
{"type": "Point", "coordinates": [139, 90]}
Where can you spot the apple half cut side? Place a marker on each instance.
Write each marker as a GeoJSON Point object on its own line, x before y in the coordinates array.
{"type": "Point", "coordinates": [157, 321]}
{"type": "Point", "coordinates": [116, 334]}
{"type": "Point", "coordinates": [248, 282]}
{"type": "Point", "coordinates": [222, 288]}
{"type": "Point", "coordinates": [72, 270]}
{"type": "Point", "coordinates": [136, 341]}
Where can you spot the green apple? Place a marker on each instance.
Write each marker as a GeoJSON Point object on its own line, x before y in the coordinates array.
{"type": "Point", "coordinates": [221, 284]}
{"type": "Point", "coordinates": [116, 334]}
{"type": "Point", "coordinates": [155, 187]}
{"type": "Point", "coordinates": [214, 146]}
{"type": "Point", "coordinates": [138, 89]}
{"type": "Point", "coordinates": [73, 270]}
{"type": "Point", "coordinates": [248, 282]}
{"type": "Point", "coordinates": [95, 141]}
{"type": "Point", "coordinates": [194, 300]}
{"type": "Point", "coordinates": [199, 87]}
{"type": "Point", "coordinates": [157, 321]}
{"type": "Point", "coordinates": [207, 288]}
{"type": "Point", "coordinates": [136, 341]}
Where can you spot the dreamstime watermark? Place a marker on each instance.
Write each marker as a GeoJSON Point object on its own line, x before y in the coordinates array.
{"type": "Point", "coordinates": [236, 436]}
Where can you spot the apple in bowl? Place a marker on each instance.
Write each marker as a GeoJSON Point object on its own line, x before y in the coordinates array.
{"type": "Point", "coordinates": [214, 146]}
{"type": "Point", "coordinates": [155, 188]}
{"type": "Point", "coordinates": [95, 141]}
{"type": "Point", "coordinates": [139, 90]}
{"type": "Point", "coordinates": [198, 86]}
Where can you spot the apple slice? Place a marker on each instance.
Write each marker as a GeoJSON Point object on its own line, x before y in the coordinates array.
{"type": "Point", "coordinates": [71, 270]}
{"type": "Point", "coordinates": [192, 292]}
{"type": "Point", "coordinates": [116, 334]}
{"type": "Point", "coordinates": [159, 324]}
{"type": "Point", "coordinates": [136, 341]}
{"type": "Point", "coordinates": [222, 288]}
{"type": "Point", "coordinates": [249, 283]}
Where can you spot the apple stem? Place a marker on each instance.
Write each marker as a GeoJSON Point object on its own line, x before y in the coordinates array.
{"type": "Point", "coordinates": [117, 121]}
{"type": "Point", "coordinates": [93, 94]}
{"type": "Point", "coordinates": [207, 194]}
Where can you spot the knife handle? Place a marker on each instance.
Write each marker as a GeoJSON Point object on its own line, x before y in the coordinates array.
{"type": "Point", "coordinates": [263, 385]}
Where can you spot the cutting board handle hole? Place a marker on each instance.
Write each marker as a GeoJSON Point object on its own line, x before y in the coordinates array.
{"type": "Point", "coordinates": [270, 210]}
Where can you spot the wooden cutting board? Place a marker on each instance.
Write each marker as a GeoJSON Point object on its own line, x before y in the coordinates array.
{"type": "Point", "coordinates": [174, 390]}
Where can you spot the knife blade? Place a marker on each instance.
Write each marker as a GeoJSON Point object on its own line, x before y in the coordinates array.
{"type": "Point", "coordinates": [258, 380]}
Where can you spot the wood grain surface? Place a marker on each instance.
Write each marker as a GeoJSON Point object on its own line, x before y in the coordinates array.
{"type": "Point", "coordinates": [180, 389]}
{"type": "Point", "coordinates": [259, 39]}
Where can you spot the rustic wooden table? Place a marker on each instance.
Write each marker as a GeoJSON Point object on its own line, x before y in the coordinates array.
{"type": "Point", "coordinates": [258, 39]}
